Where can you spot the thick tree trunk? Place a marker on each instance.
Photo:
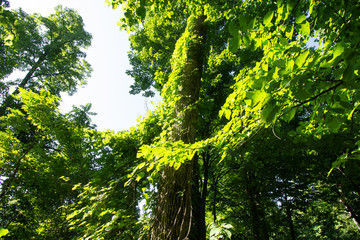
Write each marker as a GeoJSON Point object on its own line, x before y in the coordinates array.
{"type": "Point", "coordinates": [177, 214]}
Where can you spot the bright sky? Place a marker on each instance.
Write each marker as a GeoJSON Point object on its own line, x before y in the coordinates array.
{"type": "Point", "coordinates": [108, 88]}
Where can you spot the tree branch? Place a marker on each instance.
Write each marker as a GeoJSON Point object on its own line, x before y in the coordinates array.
{"type": "Point", "coordinates": [318, 95]}
{"type": "Point", "coordinates": [8, 100]}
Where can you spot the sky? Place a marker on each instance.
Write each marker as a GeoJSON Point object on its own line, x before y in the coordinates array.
{"type": "Point", "coordinates": [108, 87]}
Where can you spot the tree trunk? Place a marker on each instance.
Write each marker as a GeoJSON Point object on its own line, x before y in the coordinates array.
{"type": "Point", "coordinates": [9, 99]}
{"type": "Point", "coordinates": [214, 199]}
{"type": "Point", "coordinates": [290, 221]}
{"type": "Point", "coordinates": [257, 214]}
{"type": "Point", "coordinates": [177, 214]}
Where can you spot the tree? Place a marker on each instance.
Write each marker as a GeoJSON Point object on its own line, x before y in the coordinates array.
{"type": "Point", "coordinates": [40, 147]}
{"type": "Point", "coordinates": [48, 50]}
{"type": "Point", "coordinates": [151, 50]}
{"type": "Point", "coordinates": [43, 154]}
{"type": "Point", "coordinates": [255, 136]}
{"type": "Point", "coordinates": [287, 80]}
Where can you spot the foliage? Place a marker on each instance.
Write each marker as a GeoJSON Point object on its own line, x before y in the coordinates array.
{"type": "Point", "coordinates": [301, 83]}
{"type": "Point", "coordinates": [220, 232]}
{"type": "Point", "coordinates": [48, 51]}
{"type": "Point", "coordinates": [152, 47]}
{"type": "Point", "coordinates": [272, 147]}
{"type": "Point", "coordinates": [40, 147]}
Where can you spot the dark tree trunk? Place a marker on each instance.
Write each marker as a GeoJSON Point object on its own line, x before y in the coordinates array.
{"type": "Point", "coordinates": [214, 199]}
{"type": "Point", "coordinates": [257, 214]}
{"type": "Point", "coordinates": [178, 214]}
{"type": "Point", "coordinates": [255, 220]}
{"type": "Point", "coordinates": [290, 221]}
{"type": "Point", "coordinates": [204, 188]}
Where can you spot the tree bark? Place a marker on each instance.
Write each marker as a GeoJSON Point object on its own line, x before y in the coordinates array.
{"type": "Point", "coordinates": [177, 214]}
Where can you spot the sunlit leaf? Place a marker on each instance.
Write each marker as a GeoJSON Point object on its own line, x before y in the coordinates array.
{"type": "Point", "coordinates": [338, 50]}
{"type": "Point", "coordinates": [300, 60]}
{"type": "Point", "coordinates": [305, 29]}
{"type": "Point", "coordinates": [3, 232]}
{"type": "Point", "coordinates": [301, 18]}
{"type": "Point", "coordinates": [268, 17]}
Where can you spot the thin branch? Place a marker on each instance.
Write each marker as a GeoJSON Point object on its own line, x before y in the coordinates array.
{"type": "Point", "coordinates": [318, 95]}
{"type": "Point", "coordinates": [342, 18]}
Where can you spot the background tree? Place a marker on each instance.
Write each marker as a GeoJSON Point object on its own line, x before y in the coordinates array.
{"type": "Point", "coordinates": [40, 147]}
{"type": "Point", "coordinates": [152, 46]}
{"type": "Point", "coordinates": [48, 51]}
{"type": "Point", "coordinates": [38, 173]}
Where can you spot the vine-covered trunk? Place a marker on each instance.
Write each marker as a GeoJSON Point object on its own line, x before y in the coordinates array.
{"type": "Point", "coordinates": [177, 214]}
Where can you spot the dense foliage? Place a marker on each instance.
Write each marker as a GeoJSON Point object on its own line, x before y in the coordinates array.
{"type": "Point", "coordinates": [256, 136]}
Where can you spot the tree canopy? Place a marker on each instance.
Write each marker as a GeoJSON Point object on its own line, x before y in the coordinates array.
{"type": "Point", "coordinates": [256, 135]}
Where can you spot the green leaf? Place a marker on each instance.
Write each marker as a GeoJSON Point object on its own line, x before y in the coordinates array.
{"type": "Point", "coordinates": [233, 28]}
{"type": "Point", "coordinates": [243, 22]}
{"type": "Point", "coordinates": [227, 233]}
{"type": "Point", "coordinates": [251, 24]}
{"type": "Point", "coordinates": [226, 225]}
{"type": "Point", "coordinates": [227, 114]}
{"type": "Point", "coordinates": [305, 29]}
{"type": "Point", "coordinates": [290, 65]}
{"type": "Point", "coordinates": [140, 176]}
{"type": "Point", "coordinates": [268, 17]}
{"type": "Point", "coordinates": [259, 96]}
{"type": "Point", "coordinates": [289, 115]}
{"type": "Point", "coordinates": [246, 40]}
{"type": "Point", "coordinates": [334, 125]}
{"type": "Point", "coordinates": [289, 34]}
{"type": "Point", "coordinates": [300, 19]}
{"type": "Point", "coordinates": [302, 94]}
{"type": "Point", "coordinates": [9, 40]}
{"type": "Point", "coordinates": [338, 50]}
{"type": "Point", "coordinates": [300, 60]}
{"type": "Point", "coordinates": [215, 232]}
{"type": "Point", "coordinates": [349, 74]}
{"type": "Point", "coordinates": [352, 112]}
{"type": "Point", "coordinates": [268, 114]}
{"type": "Point", "coordinates": [234, 43]}
{"type": "Point", "coordinates": [3, 232]}
{"type": "Point", "coordinates": [340, 161]}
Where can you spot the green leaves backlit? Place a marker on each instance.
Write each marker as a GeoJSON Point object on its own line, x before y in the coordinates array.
{"type": "Point", "coordinates": [3, 232]}
{"type": "Point", "coordinates": [267, 18]}
{"type": "Point", "coordinates": [305, 29]}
